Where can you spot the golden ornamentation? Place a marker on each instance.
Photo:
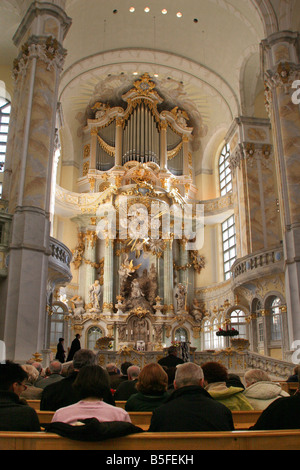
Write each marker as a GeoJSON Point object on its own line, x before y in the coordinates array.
{"type": "Point", "coordinates": [85, 168]}
{"type": "Point", "coordinates": [86, 151]}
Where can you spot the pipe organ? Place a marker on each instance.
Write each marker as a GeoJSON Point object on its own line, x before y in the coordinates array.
{"type": "Point", "coordinates": [140, 133]}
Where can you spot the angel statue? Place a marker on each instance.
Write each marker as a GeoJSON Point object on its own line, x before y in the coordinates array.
{"type": "Point", "coordinates": [95, 295]}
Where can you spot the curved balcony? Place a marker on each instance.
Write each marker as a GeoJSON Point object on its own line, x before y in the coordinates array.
{"type": "Point", "coordinates": [59, 270]}
{"type": "Point", "coordinates": [257, 264]}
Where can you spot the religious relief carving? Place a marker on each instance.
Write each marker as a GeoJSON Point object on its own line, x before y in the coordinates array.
{"type": "Point", "coordinates": [180, 296]}
{"type": "Point", "coordinates": [77, 307]}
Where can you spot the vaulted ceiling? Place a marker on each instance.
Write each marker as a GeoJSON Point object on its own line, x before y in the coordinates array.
{"type": "Point", "coordinates": [206, 61]}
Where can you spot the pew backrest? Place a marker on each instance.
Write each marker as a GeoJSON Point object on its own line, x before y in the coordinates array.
{"type": "Point", "coordinates": [234, 440]}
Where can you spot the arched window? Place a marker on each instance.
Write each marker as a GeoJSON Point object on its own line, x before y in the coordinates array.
{"type": "Point", "coordinates": [5, 109]}
{"type": "Point", "coordinates": [57, 324]}
{"type": "Point", "coordinates": [238, 322]}
{"type": "Point", "coordinates": [93, 335]}
{"type": "Point", "coordinates": [181, 335]}
{"type": "Point", "coordinates": [225, 175]}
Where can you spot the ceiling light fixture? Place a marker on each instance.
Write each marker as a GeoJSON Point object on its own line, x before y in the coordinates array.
{"type": "Point", "coordinates": [146, 10]}
{"type": "Point", "coordinates": [132, 9]}
{"type": "Point", "coordinates": [164, 11]}
{"type": "Point", "coordinates": [179, 14]}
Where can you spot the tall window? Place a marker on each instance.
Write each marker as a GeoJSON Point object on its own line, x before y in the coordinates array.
{"type": "Point", "coordinates": [275, 319]}
{"type": "Point", "coordinates": [237, 321]}
{"type": "Point", "coordinates": [229, 245]}
{"type": "Point", "coordinates": [5, 109]}
{"type": "Point", "coordinates": [225, 176]}
{"type": "Point", "coordinates": [57, 324]}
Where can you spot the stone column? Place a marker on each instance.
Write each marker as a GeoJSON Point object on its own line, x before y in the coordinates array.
{"type": "Point", "coordinates": [36, 71]}
{"type": "Point", "coordinates": [90, 257]}
{"type": "Point", "coordinates": [282, 69]}
{"type": "Point", "coordinates": [168, 277]}
{"type": "Point", "coordinates": [255, 192]}
{"type": "Point", "coordinates": [108, 294]}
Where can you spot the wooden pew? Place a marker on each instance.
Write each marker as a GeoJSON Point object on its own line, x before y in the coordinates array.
{"type": "Point", "coordinates": [242, 419]}
{"type": "Point", "coordinates": [289, 387]}
{"type": "Point", "coordinates": [236, 440]}
{"type": "Point", "coordinates": [34, 404]}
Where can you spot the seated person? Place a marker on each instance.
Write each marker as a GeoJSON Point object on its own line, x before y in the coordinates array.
{"type": "Point", "coordinates": [91, 385]}
{"type": "Point", "coordinates": [127, 387]}
{"type": "Point", "coordinates": [114, 375]}
{"type": "Point", "coordinates": [14, 414]}
{"type": "Point", "coordinates": [294, 377]}
{"type": "Point", "coordinates": [283, 413]}
{"type": "Point", "coordinates": [54, 374]}
{"type": "Point", "coordinates": [61, 393]}
{"type": "Point", "coordinates": [190, 407]}
{"type": "Point", "coordinates": [152, 385]}
{"type": "Point", "coordinates": [32, 392]}
{"type": "Point", "coordinates": [215, 380]}
{"type": "Point", "coordinates": [260, 390]}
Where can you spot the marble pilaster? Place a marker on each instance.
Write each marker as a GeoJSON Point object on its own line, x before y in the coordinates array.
{"type": "Point", "coordinates": [28, 175]}
{"type": "Point", "coordinates": [282, 69]}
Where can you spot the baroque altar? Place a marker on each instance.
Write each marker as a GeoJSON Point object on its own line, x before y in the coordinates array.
{"type": "Point", "coordinates": [138, 223]}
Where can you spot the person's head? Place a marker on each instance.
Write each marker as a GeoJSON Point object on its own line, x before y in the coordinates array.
{"type": "Point", "coordinates": [83, 357]}
{"type": "Point", "coordinates": [112, 368]}
{"type": "Point", "coordinates": [61, 340]}
{"type": "Point", "coordinates": [55, 367]}
{"type": "Point", "coordinates": [152, 379]}
{"type": "Point", "coordinates": [256, 375]}
{"type": "Point", "coordinates": [133, 372]}
{"type": "Point", "coordinates": [38, 367]}
{"type": "Point", "coordinates": [214, 372]}
{"type": "Point", "coordinates": [124, 367]}
{"type": "Point", "coordinates": [12, 378]}
{"type": "Point", "coordinates": [91, 382]}
{"type": "Point", "coordinates": [172, 351]}
{"type": "Point", "coordinates": [77, 336]}
{"type": "Point", "coordinates": [188, 374]}
{"type": "Point", "coordinates": [32, 373]}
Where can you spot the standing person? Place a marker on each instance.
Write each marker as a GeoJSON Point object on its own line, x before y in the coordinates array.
{"type": "Point", "coordinates": [171, 360]}
{"type": "Point", "coordinates": [190, 407]}
{"type": "Point", "coordinates": [60, 352]}
{"type": "Point", "coordinates": [75, 346]}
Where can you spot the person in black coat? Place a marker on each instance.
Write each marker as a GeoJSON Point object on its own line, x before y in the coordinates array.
{"type": "Point", "coordinates": [62, 393]}
{"type": "Point", "coordinates": [75, 346]}
{"type": "Point", "coordinates": [60, 352]}
{"type": "Point", "coordinates": [190, 407]}
{"type": "Point", "coordinates": [283, 413]}
{"type": "Point", "coordinates": [14, 414]}
{"type": "Point", "coordinates": [171, 360]}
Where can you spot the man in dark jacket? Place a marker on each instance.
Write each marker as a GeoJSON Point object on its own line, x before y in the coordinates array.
{"type": "Point", "coordinates": [127, 387]}
{"type": "Point", "coordinates": [14, 414]}
{"type": "Point", "coordinates": [171, 360]}
{"type": "Point", "coordinates": [75, 346]}
{"type": "Point", "coordinates": [62, 393]}
{"type": "Point", "coordinates": [190, 408]}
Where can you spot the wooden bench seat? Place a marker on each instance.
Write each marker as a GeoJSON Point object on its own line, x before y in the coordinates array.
{"type": "Point", "coordinates": [236, 440]}
{"type": "Point", "coordinates": [241, 419]}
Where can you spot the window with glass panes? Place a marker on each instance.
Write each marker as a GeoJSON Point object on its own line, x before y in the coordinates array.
{"type": "Point", "coordinates": [5, 109]}
{"type": "Point", "coordinates": [238, 322]}
{"type": "Point", "coordinates": [225, 176]}
{"type": "Point", "coordinates": [275, 318]}
{"type": "Point", "coordinates": [229, 245]}
{"type": "Point", "coordinates": [93, 335]}
{"type": "Point", "coordinates": [57, 324]}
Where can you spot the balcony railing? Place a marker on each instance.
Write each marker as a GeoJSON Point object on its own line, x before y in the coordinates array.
{"type": "Point", "coordinates": [258, 263]}
{"type": "Point", "coordinates": [59, 271]}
